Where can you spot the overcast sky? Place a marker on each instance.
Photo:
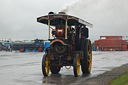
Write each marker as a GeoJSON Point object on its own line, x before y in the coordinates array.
{"type": "Point", "coordinates": [18, 17]}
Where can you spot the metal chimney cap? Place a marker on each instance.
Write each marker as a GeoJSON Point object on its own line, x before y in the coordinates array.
{"type": "Point", "coordinates": [51, 12]}
{"type": "Point", "coordinates": [62, 13]}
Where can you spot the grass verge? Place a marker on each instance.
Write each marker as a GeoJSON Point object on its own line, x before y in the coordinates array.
{"type": "Point", "coordinates": [121, 80]}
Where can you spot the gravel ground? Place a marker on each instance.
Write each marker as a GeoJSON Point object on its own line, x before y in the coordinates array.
{"type": "Point", "coordinates": [104, 79]}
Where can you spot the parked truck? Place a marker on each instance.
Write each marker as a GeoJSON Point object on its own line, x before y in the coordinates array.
{"type": "Point", "coordinates": [6, 46]}
{"type": "Point", "coordinates": [36, 45]}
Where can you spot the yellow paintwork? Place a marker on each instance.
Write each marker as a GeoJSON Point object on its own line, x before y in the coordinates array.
{"type": "Point", "coordinates": [48, 29]}
{"type": "Point", "coordinates": [47, 67]}
{"type": "Point", "coordinates": [78, 65]}
{"type": "Point", "coordinates": [66, 30]}
{"type": "Point", "coordinates": [90, 56]}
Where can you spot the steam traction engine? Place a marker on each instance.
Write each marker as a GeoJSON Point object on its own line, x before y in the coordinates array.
{"type": "Point", "coordinates": [69, 46]}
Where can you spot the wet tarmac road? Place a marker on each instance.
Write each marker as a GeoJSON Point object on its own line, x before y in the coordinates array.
{"type": "Point", "coordinates": [25, 68]}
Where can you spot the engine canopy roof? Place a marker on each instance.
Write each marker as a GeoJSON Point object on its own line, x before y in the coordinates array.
{"type": "Point", "coordinates": [59, 19]}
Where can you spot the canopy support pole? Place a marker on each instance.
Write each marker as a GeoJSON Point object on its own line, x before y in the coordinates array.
{"type": "Point", "coordinates": [48, 29]}
{"type": "Point", "coordinates": [66, 27]}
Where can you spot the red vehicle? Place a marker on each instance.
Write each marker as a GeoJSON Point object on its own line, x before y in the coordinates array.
{"type": "Point", "coordinates": [1, 46]}
{"type": "Point", "coordinates": [70, 45]}
{"type": "Point", "coordinates": [111, 43]}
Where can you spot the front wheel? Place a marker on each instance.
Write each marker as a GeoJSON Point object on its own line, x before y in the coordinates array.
{"type": "Point", "coordinates": [76, 65]}
{"type": "Point", "coordinates": [45, 65]}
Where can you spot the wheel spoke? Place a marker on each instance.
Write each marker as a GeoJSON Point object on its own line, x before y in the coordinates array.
{"type": "Point", "coordinates": [78, 65]}
{"type": "Point", "coordinates": [47, 68]}
{"type": "Point", "coordinates": [90, 57]}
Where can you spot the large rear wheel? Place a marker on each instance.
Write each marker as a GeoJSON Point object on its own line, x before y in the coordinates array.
{"type": "Point", "coordinates": [76, 65]}
{"type": "Point", "coordinates": [86, 61]}
{"type": "Point", "coordinates": [45, 65]}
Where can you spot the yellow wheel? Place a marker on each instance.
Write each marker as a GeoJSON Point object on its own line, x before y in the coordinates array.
{"type": "Point", "coordinates": [89, 56]}
{"type": "Point", "coordinates": [76, 65]}
{"type": "Point", "coordinates": [86, 61]}
{"type": "Point", "coordinates": [45, 65]}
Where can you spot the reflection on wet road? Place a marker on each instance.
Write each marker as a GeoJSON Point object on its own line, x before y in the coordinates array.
{"type": "Point", "coordinates": [25, 68]}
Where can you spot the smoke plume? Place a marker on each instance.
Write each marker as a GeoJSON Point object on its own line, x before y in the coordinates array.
{"type": "Point", "coordinates": [109, 17]}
